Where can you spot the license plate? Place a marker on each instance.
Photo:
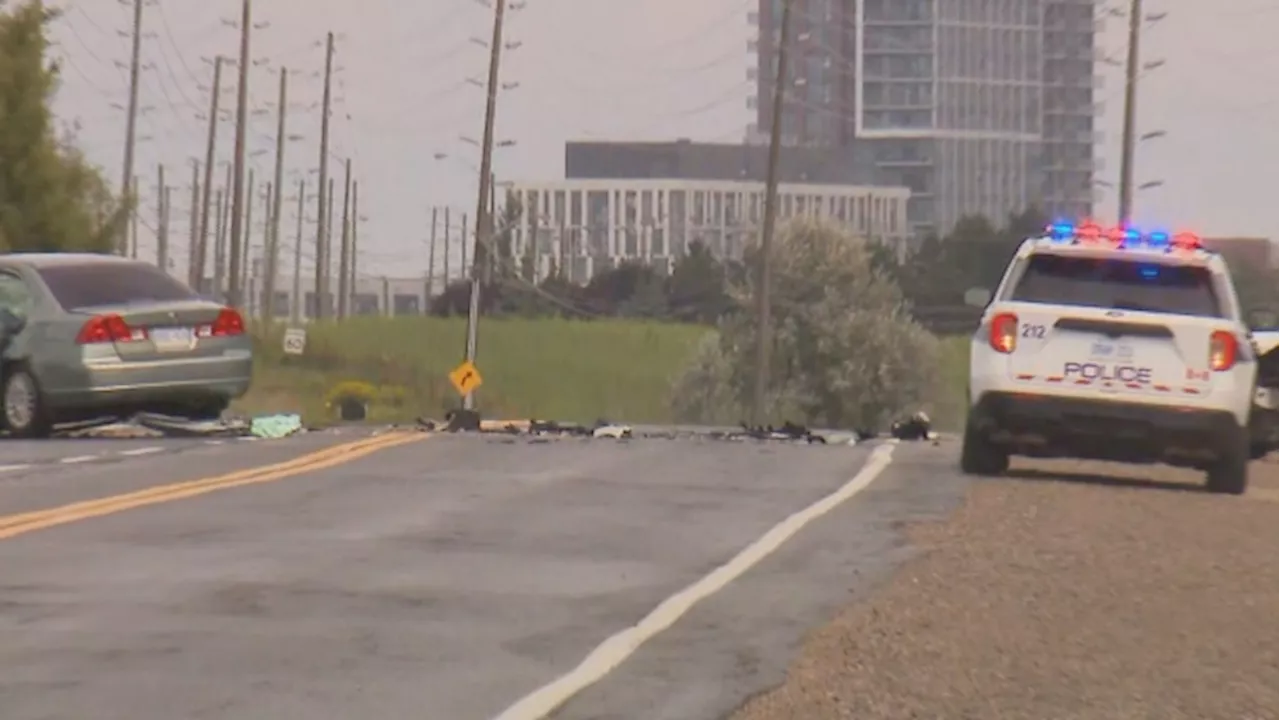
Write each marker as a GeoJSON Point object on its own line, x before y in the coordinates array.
{"type": "Point", "coordinates": [171, 339]}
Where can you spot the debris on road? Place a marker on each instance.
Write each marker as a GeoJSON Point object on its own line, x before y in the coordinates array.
{"type": "Point", "coordinates": [916, 427]}
{"type": "Point", "coordinates": [614, 432]}
{"type": "Point", "coordinates": [275, 426]}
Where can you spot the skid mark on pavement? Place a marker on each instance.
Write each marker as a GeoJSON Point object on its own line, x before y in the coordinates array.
{"type": "Point", "coordinates": [616, 649]}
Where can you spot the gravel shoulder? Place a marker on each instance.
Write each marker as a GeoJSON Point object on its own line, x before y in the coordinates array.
{"type": "Point", "coordinates": [1071, 590]}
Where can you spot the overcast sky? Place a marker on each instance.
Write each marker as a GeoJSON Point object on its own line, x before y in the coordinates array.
{"type": "Point", "coordinates": [597, 69]}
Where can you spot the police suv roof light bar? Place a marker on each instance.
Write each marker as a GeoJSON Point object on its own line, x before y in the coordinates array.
{"type": "Point", "coordinates": [1090, 233]}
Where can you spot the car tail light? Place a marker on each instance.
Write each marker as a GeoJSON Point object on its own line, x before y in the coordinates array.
{"type": "Point", "coordinates": [229, 322]}
{"type": "Point", "coordinates": [109, 329]}
{"type": "Point", "coordinates": [1004, 332]}
{"type": "Point", "coordinates": [1222, 350]}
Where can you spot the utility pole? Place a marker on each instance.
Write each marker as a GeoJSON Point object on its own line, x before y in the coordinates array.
{"type": "Point", "coordinates": [273, 234]}
{"type": "Point", "coordinates": [448, 248]}
{"type": "Point", "coordinates": [431, 258]}
{"type": "Point", "coordinates": [131, 125]}
{"type": "Point", "coordinates": [466, 240]}
{"type": "Point", "coordinates": [241, 249]}
{"type": "Point", "coordinates": [219, 244]}
{"type": "Point", "coordinates": [328, 253]}
{"type": "Point", "coordinates": [295, 307]}
{"type": "Point", "coordinates": [344, 249]}
{"type": "Point", "coordinates": [194, 229]}
{"type": "Point", "coordinates": [480, 266]}
{"type": "Point", "coordinates": [133, 220]}
{"type": "Point", "coordinates": [322, 275]}
{"type": "Point", "coordinates": [1129, 131]}
{"type": "Point", "coordinates": [162, 220]}
{"type": "Point", "coordinates": [355, 235]}
{"type": "Point", "coordinates": [238, 235]}
{"type": "Point", "coordinates": [202, 253]}
{"type": "Point", "coordinates": [764, 335]}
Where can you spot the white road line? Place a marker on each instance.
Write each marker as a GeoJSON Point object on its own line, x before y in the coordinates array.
{"type": "Point", "coordinates": [141, 451]}
{"type": "Point", "coordinates": [612, 652]}
{"type": "Point", "coordinates": [13, 468]}
{"type": "Point", "coordinates": [78, 459]}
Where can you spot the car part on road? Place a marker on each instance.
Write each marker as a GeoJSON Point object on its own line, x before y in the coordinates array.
{"type": "Point", "coordinates": [916, 427]}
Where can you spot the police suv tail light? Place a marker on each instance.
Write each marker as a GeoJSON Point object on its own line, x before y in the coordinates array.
{"type": "Point", "coordinates": [1003, 332]}
{"type": "Point", "coordinates": [1222, 351]}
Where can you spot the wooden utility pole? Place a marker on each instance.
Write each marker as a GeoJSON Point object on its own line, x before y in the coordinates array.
{"type": "Point", "coordinates": [431, 258]}
{"type": "Point", "coordinates": [295, 307]}
{"type": "Point", "coordinates": [260, 268]}
{"type": "Point", "coordinates": [481, 268]}
{"type": "Point", "coordinates": [466, 239]}
{"type": "Point", "coordinates": [131, 128]}
{"type": "Point", "coordinates": [194, 230]}
{"type": "Point", "coordinates": [344, 249]}
{"type": "Point", "coordinates": [162, 220]}
{"type": "Point", "coordinates": [242, 248]}
{"type": "Point", "coordinates": [211, 143]}
{"type": "Point", "coordinates": [1128, 139]}
{"type": "Point", "coordinates": [328, 252]}
{"type": "Point", "coordinates": [133, 220]}
{"type": "Point", "coordinates": [355, 237]}
{"type": "Point", "coordinates": [448, 248]}
{"type": "Point", "coordinates": [322, 275]}
{"type": "Point", "coordinates": [162, 249]}
{"type": "Point", "coordinates": [238, 235]}
{"type": "Point", "coordinates": [273, 234]}
{"type": "Point", "coordinates": [219, 244]}
{"type": "Point", "coordinates": [764, 335]}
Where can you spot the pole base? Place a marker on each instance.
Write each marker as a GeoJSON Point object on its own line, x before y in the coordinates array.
{"type": "Point", "coordinates": [462, 420]}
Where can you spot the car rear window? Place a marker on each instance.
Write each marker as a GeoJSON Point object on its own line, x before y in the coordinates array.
{"type": "Point", "coordinates": [99, 284]}
{"type": "Point", "coordinates": [1118, 283]}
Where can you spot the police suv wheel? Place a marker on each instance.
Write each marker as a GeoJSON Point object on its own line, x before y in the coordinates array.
{"type": "Point", "coordinates": [979, 456]}
{"type": "Point", "coordinates": [1230, 474]}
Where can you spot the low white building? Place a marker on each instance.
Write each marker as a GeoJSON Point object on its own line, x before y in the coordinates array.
{"type": "Point", "coordinates": [588, 226]}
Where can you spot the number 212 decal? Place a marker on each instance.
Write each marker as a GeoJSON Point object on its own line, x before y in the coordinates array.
{"type": "Point", "coordinates": [1033, 331]}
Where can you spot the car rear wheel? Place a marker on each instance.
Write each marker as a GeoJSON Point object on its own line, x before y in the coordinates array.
{"type": "Point", "coordinates": [24, 412]}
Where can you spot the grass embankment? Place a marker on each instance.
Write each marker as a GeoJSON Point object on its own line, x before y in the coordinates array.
{"type": "Point", "coordinates": [546, 368]}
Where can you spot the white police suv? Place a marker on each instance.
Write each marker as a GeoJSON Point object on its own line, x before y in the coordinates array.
{"type": "Point", "coordinates": [1112, 344]}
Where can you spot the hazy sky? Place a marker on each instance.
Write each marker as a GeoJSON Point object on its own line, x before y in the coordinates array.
{"type": "Point", "coordinates": [596, 69]}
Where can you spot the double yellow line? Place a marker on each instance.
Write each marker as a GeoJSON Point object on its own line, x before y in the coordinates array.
{"type": "Point", "coordinates": [14, 525]}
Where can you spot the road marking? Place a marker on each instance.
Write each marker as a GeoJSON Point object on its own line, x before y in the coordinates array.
{"type": "Point", "coordinates": [14, 525]}
{"type": "Point", "coordinates": [12, 468]}
{"type": "Point", "coordinates": [142, 451]}
{"type": "Point", "coordinates": [78, 459]}
{"type": "Point", "coordinates": [612, 652]}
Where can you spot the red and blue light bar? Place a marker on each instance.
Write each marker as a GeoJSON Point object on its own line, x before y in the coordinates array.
{"type": "Point", "coordinates": [1090, 233]}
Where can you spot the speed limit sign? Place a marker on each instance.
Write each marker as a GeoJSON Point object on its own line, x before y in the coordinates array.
{"type": "Point", "coordinates": [295, 341]}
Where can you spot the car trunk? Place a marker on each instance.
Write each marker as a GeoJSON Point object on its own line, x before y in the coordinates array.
{"type": "Point", "coordinates": [172, 328]}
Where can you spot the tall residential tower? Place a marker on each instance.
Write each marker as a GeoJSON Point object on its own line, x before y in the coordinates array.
{"type": "Point", "coordinates": [978, 106]}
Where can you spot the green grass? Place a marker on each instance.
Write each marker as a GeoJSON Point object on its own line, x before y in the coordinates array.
{"type": "Point", "coordinates": [545, 368]}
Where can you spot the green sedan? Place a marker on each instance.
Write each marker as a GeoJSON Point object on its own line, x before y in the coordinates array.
{"type": "Point", "coordinates": [85, 337]}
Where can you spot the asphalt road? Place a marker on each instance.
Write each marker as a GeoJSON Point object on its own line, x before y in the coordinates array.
{"type": "Point", "coordinates": [450, 578]}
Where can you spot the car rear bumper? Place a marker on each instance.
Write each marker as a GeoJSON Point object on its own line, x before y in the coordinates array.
{"type": "Point", "coordinates": [101, 383]}
{"type": "Point", "coordinates": [1105, 430]}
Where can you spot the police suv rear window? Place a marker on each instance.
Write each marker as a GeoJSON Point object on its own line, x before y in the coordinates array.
{"type": "Point", "coordinates": [110, 283]}
{"type": "Point", "coordinates": [1117, 283]}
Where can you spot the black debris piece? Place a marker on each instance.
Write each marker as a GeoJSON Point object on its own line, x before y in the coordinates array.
{"type": "Point", "coordinates": [461, 420]}
{"type": "Point", "coordinates": [788, 431]}
{"type": "Point", "coordinates": [916, 427]}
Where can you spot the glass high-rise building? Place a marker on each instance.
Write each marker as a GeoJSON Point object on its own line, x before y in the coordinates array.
{"type": "Point", "coordinates": [978, 106]}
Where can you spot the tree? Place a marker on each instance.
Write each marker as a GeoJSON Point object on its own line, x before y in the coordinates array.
{"type": "Point", "coordinates": [697, 288]}
{"type": "Point", "coordinates": [845, 351]}
{"type": "Point", "coordinates": [51, 199]}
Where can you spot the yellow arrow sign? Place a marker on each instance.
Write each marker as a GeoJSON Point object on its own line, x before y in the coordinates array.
{"type": "Point", "coordinates": [466, 378]}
